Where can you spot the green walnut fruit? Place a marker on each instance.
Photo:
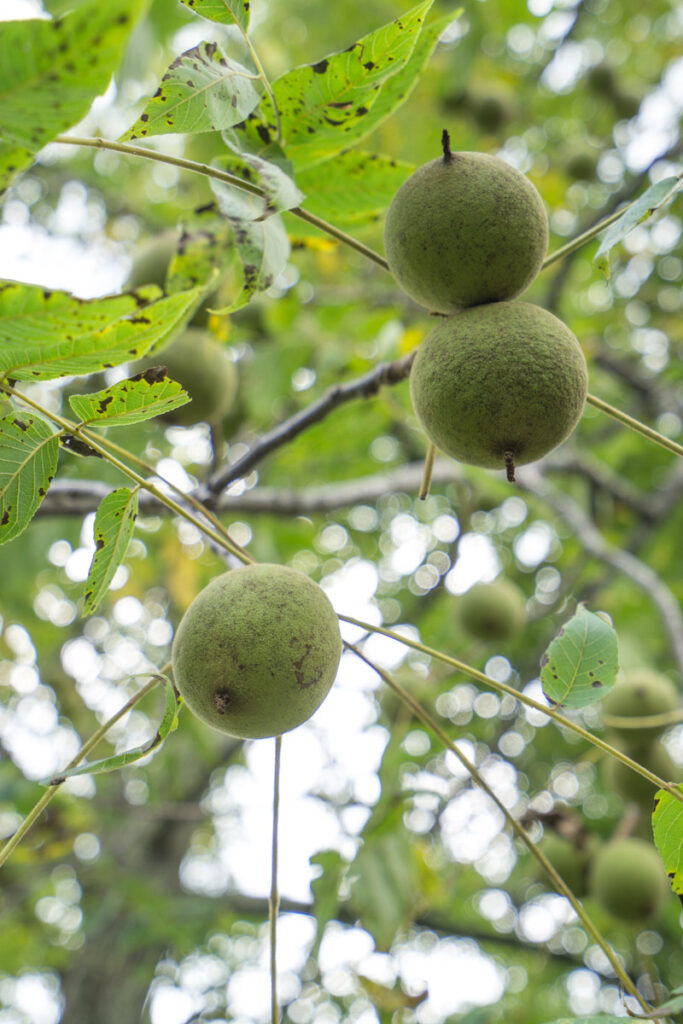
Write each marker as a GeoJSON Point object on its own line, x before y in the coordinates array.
{"type": "Point", "coordinates": [499, 385]}
{"type": "Point", "coordinates": [150, 266]}
{"type": "Point", "coordinates": [198, 362]}
{"type": "Point", "coordinates": [257, 651]}
{"type": "Point", "coordinates": [641, 692]}
{"type": "Point", "coordinates": [633, 788]}
{"type": "Point", "coordinates": [493, 611]}
{"type": "Point", "coordinates": [463, 230]}
{"type": "Point", "coordinates": [628, 879]}
{"type": "Point", "coordinates": [570, 861]}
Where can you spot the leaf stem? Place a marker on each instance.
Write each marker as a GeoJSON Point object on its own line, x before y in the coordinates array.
{"type": "Point", "coordinates": [636, 425]}
{"type": "Point", "coordinates": [96, 445]}
{"type": "Point", "coordinates": [493, 684]}
{"type": "Point", "coordinates": [228, 179]}
{"type": "Point", "coordinates": [89, 744]}
{"type": "Point", "coordinates": [427, 472]}
{"type": "Point", "coordinates": [585, 236]}
{"type": "Point", "coordinates": [266, 83]}
{"type": "Point", "coordinates": [274, 901]}
{"type": "Point", "coordinates": [558, 882]}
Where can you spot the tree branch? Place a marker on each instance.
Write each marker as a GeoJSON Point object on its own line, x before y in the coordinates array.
{"type": "Point", "coordinates": [364, 387]}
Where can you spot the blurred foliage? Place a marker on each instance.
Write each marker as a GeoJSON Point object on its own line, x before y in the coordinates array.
{"type": "Point", "coordinates": [125, 889]}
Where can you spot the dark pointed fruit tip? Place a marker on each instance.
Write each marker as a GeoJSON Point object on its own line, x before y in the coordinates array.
{"type": "Point", "coordinates": [510, 465]}
{"type": "Point", "coordinates": [446, 146]}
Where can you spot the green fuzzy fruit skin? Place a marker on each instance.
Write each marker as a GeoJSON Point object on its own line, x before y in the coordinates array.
{"type": "Point", "coordinates": [506, 377]}
{"type": "Point", "coordinates": [628, 879]}
{"type": "Point", "coordinates": [493, 611]}
{"type": "Point", "coordinates": [634, 788]}
{"type": "Point", "coordinates": [257, 651]}
{"type": "Point", "coordinates": [569, 862]}
{"type": "Point", "coordinates": [198, 362]}
{"type": "Point", "coordinates": [465, 231]}
{"type": "Point", "coordinates": [641, 692]}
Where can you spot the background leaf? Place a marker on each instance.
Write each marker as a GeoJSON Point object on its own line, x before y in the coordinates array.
{"type": "Point", "coordinates": [62, 352]}
{"type": "Point", "coordinates": [667, 826]}
{"type": "Point", "coordinates": [652, 200]}
{"type": "Point", "coordinates": [203, 91]}
{"type": "Point", "coordinates": [114, 525]}
{"type": "Point", "coordinates": [138, 398]}
{"type": "Point", "coordinates": [353, 187]}
{"type": "Point", "coordinates": [383, 877]}
{"type": "Point", "coordinates": [51, 71]}
{"type": "Point", "coordinates": [28, 461]}
{"type": "Point", "coordinates": [580, 665]}
{"type": "Point", "coordinates": [227, 12]}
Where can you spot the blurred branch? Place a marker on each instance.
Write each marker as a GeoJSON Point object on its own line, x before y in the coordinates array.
{"type": "Point", "coordinates": [364, 387]}
{"type": "Point", "coordinates": [641, 574]}
{"type": "Point", "coordinates": [657, 398]}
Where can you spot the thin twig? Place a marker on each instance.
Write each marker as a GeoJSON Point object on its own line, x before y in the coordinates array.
{"type": "Point", "coordinates": [636, 425]}
{"type": "Point", "coordinates": [558, 882]}
{"type": "Point", "coordinates": [89, 744]}
{"type": "Point", "coordinates": [427, 473]}
{"type": "Point", "coordinates": [274, 901]}
{"type": "Point", "coordinates": [363, 387]}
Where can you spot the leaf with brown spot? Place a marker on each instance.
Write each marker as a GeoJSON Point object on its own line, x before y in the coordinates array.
{"type": "Point", "coordinates": [114, 525]}
{"type": "Point", "coordinates": [29, 451]}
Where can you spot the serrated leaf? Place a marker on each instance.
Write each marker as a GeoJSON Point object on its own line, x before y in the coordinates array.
{"type": "Point", "coordinates": [280, 191]}
{"type": "Point", "coordinates": [29, 451]}
{"type": "Point", "coordinates": [147, 394]}
{"type": "Point", "coordinates": [580, 666]}
{"type": "Point", "coordinates": [227, 12]}
{"type": "Point", "coordinates": [327, 106]}
{"type": "Point", "coordinates": [645, 206]}
{"type": "Point", "coordinates": [353, 187]}
{"type": "Point", "coordinates": [203, 90]}
{"type": "Point", "coordinates": [114, 525]}
{"type": "Point", "coordinates": [383, 885]}
{"type": "Point", "coordinates": [51, 71]}
{"type": "Point", "coordinates": [667, 827]}
{"type": "Point", "coordinates": [109, 764]}
{"type": "Point", "coordinates": [84, 350]}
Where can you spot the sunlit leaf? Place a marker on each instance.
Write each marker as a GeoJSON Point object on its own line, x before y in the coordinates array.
{"type": "Point", "coordinates": [51, 71]}
{"type": "Point", "coordinates": [77, 349]}
{"type": "Point", "coordinates": [203, 91]}
{"type": "Point", "coordinates": [227, 12]}
{"type": "Point", "coordinates": [580, 665]}
{"type": "Point", "coordinates": [28, 462]}
{"type": "Point", "coordinates": [147, 394]}
{"type": "Point", "coordinates": [114, 525]}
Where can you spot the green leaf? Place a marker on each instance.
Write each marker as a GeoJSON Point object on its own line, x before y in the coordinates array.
{"type": "Point", "coordinates": [326, 107]}
{"type": "Point", "coordinates": [114, 525]}
{"type": "Point", "coordinates": [383, 884]}
{"type": "Point", "coordinates": [353, 187]}
{"type": "Point", "coordinates": [580, 665]}
{"type": "Point", "coordinates": [280, 192]}
{"type": "Point", "coordinates": [169, 722]}
{"type": "Point", "coordinates": [647, 204]}
{"type": "Point", "coordinates": [326, 891]}
{"type": "Point", "coordinates": [78, 349]}
{"type": "Point", "coordinates": [227, 12]}
{"type": "Point", "coordinates": [263, 250]}
{"type": "Point", "coordinates": [147, 394]}
{"type": "Point", "coordinates": [28, 462]}
{"type": "Point", "coordinates": [202, 91]}
{"type": "Point", "coordinates": [51, 71]}
{"type": "Point", "coordinates": [671, 1006]}
{"type": "Point", "coordinates": [667, 826]}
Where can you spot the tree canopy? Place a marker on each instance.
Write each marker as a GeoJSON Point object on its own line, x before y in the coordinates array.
{"type": "Point", "coordinates": [482, 821]}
